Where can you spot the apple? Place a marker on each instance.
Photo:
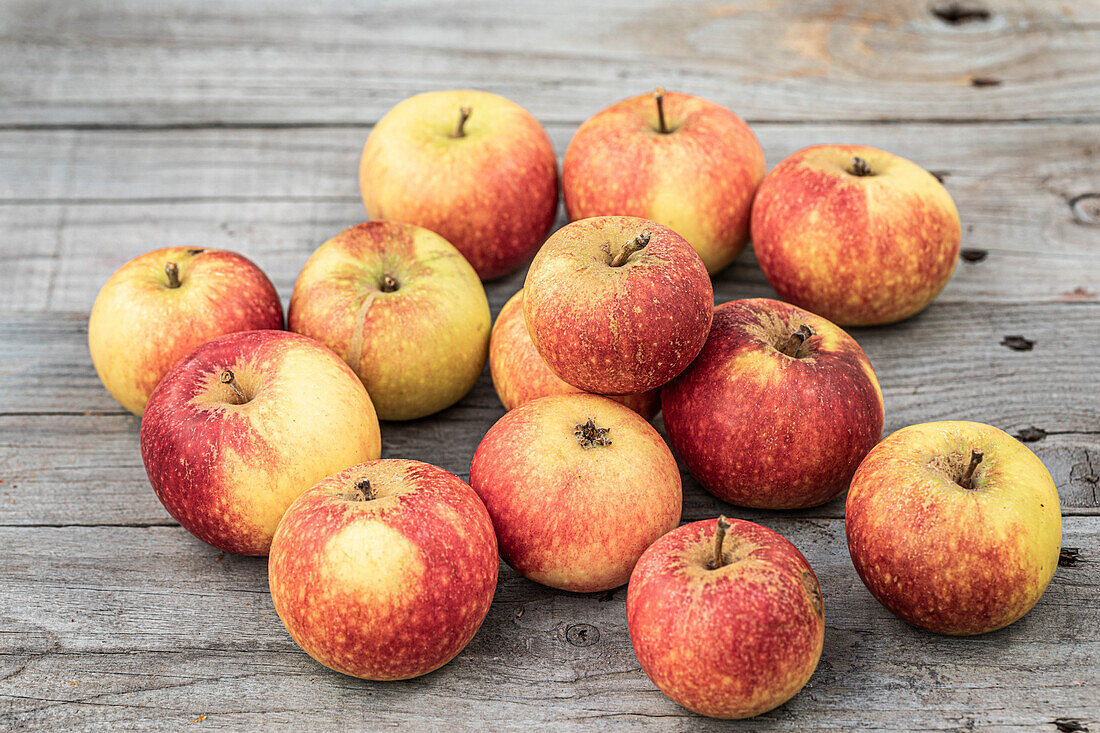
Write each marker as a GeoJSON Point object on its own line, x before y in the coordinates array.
{"type": "Point", "coordinates": [777, 410]}
{"type": "Point", "coordinates": [954, 526]}
{"type": "Point", "coordinates": [577, 486]}
{"type": "Point", "coordinates": [726, 617]}
{"type": "Point", "coordinates": [403, 308]}
{"type": "Point", "coordinates": [470, 165]}
{"type": "Point", "coordinates": [159, 306]}
{"type": "Point", "coordinates": [617, 304]}
{"type": "Point", "coordinates": [384, 570]}
{"type": "Point", "coordinates": [243, 425]}
{"type": "Point", "coordinates": [855, 234]}
{"type": "Point", "coordinates": [676, 159]}
{"type": "Point", "coordinates": [521, 375]}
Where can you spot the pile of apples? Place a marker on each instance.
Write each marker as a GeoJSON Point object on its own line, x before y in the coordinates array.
{"type": "Point", "coordinates": [263, 441]}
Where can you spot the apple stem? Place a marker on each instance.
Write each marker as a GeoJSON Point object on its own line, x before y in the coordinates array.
{"type": "Point", "coordinates": [968, 477]}
{"type": "Point", "coordinates": [172, 270]}
{"type": "Point", "coordinates": [659, 97]}
{"type": "Point", "coordinates": [463, 115]}
{"type": "Point", "coordinates": [796, 339]}
{"type": "Point", "coordinates": [860, 167]}
{"type": "Point", "coordinates": [363, 491]}
{"type": "Point", "coordinates": [630, 248]}
{"type": "Point", "coordinates": [590, 436]}
{"type": "Point", "coordinates": [719, 541]}
{"type": "Point", "coordinates": [389, 283]}
{"type": "Point", "coordinates": [228, 377]}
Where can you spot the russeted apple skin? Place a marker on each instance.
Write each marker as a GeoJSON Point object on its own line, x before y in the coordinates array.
{"type": "Point", "coordinates": [945, 558]}
{"type": "Point", "coordinates": [617, 329]}
{"type": "Point", "coordinates": [140, 326]}
{"type": "Point", "coordinates": [227, 470]}
{"type": "Point", "coordinates": [759, 428]}
{"type": "Point", "coordinates": [731, 642]}
{"type": "Point", "coordinates": [492, 193]}
{"type": "Point", "coordinates": [419, 348]}
{"type": "Point", "coordinates": [521, 375]}
{"type": "Point", "coordinates": [858, 250]}
{"type": "Point", "coordinates": [388, 588]}
{"type": "Point", "coordinates": [698, 179]}
{"type": "Point", "coordinates": [571, 517]}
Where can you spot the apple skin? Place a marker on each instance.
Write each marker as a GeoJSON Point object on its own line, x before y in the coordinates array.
{"type": "Point", "coordinates": [492, 193]}
{"type": "Point", "coordinates": [944, 558]}
{"type": "Point", "coordinates": [617, 329]}
{"type": "Point", "coordinates": [698, 179]}
{"type": "Point", "coordinates": [858, 250]}
{"type": "Point", "coordinates": [227, 471]}
{"type": "Point", "coordinates": [387, 588]}
{"type": "Point", "coordinates": [419, 348]}
{"type": "Point", "coordinates": [140, 326]}
{"type": "Point", "coordinates": [761, 429]}
{"type": "Point", "coordinates": [730, 642]}
{"type": "Point", "coordinates": [521, 375]}
{"type": "Point", "coordinates": [571, 517]}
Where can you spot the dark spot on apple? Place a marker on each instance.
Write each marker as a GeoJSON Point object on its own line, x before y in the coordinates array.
{"type": "Point", "coordinates": [939, 175]}
{"type": "Point", "coordinates": [984, 81]}
{"type": "Point", "coordinates": [582, 635]}
{"type": "Point", "coordinates": [195, 251]}
{"type": "Point", "coordinates": [974, 255]}
{"type": "Point", "coordinates": [813, 592]}
{"type": "Point", "coordinates": [959, 14]}
{"type": "Point", "coordinates": [1031, 434]}
{"type": "Point", "coordinates": [1018, 343]}
{"type": "Point", "coordinates": [1068, 557]}
{"type": "Point", "coordinates": [1070, 725]}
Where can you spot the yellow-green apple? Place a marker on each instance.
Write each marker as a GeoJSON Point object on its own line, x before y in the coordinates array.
{"type": "Point", "coordinates": [158, 307]}
{"type": "Point", "coordinates": [954, 526]}
{"type": "Point", "coordinates": [855, 234]}
{"type": "Point", "coordinates": [521, 375]}
{"type": "Point", "coordinates": [403, 308]}
{"type": "Point", "coordinates": [577, 486]}
{"type": "Point", "coordinates": [384, 570]}
{"type": "Point", "coordinates": [470, 165]}
{"type": "Point", "coordinates": [679, 160]}
{"type": "Point", "coordinates": [245, 424]}
{"type": "Point", "coordinates": [726, 617]}
{"type": "Point", "coordinates": [778, 409]}
{"type": "Point", "coordinates": [617, 304]}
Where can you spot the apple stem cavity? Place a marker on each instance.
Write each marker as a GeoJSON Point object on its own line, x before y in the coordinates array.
{"type": "Point", "coordinates": [589, 435]}
{"type": "Point", "coordinates": [659, 97]}
{"type": "Point", "coordinates": [860, 167]}
{"type": "Point", "coordinates": [172, 270]}
{"type": "Point", "coordinates": [796, 340]}
{"type": "Point", "coordinates": [389, 283]}
{"type": "Point", "coordinates": [968, 477]}
{"type": "Point", "coordinates": [228, 377]}
{"type": "Point", "coordinates": [363, 491]}
{"type": "Point", "coordinates": [720, 540]}
{"type": "Point", "coordinates": [630, 248]}
{"type": "Point", "coordinates": [463, 115]}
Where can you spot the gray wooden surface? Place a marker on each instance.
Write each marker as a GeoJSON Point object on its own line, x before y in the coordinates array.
{"type": "Point", "coordinates": [126, 126]}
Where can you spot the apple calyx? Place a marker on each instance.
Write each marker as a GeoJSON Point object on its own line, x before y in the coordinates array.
{"type": "Point", "coordinates": [172, 270]}
{"type": "Point", "coordinates": [228, 377]}
{"type": "Point", "coordinates": [719, 540]}
{"type": "Point", "coordinates": [967, 480]}
{"type": "Point", "coordinates": [659, 97]}
{"type": "Point", "coordinates": [796, 340]}
{"type": "Point", "coordinates": [630, 248]}
{"type": "Point", "coordinates": [389, 283]}
{"type": "Point", "coordinates": [589, 435]}
{"type": "Point", "coordinates": [363, 491]}
{"type": "Point", "coordinates": [463, 115]}
{"type": "Point", "coordinates": [860, 167]}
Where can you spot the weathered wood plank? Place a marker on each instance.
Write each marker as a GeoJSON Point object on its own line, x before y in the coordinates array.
{"type": "Point", "coordinates": [128, 62]}
{"type": "Point", "coordinates": [147, 628]}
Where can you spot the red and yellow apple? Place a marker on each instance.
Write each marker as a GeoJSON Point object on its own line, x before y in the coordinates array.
{"type": "Point", "coordinates": [617, 304]}
{"type": "Point", "coordinates": [726, 617]}
{"type": "Point", "coordinates": [384, 570]}
{"type": "Point", "coordinates": [577, 486]}
{"type": "Point", "coordinates": [470, 165]}
{"type": "Point", "coordinates": [676, 159]}
{"type": "Point", "coordinates": [403, 308]}
{"type": "Point", "coordinates": [954, 526]}
{"type": "Point", "coordinates": [521, 375]}
{"type": "Point", "coordinates": [855, 234]}
{"type": "Point", "coordinates": [158, 307]}
{"type": "Point", "coordinates": [777, 410]}
{"type": "Point", "coordinates": [245, 424]}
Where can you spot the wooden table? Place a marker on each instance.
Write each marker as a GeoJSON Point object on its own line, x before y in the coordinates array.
{"type": "Point", "coordinates": [126, 126]}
